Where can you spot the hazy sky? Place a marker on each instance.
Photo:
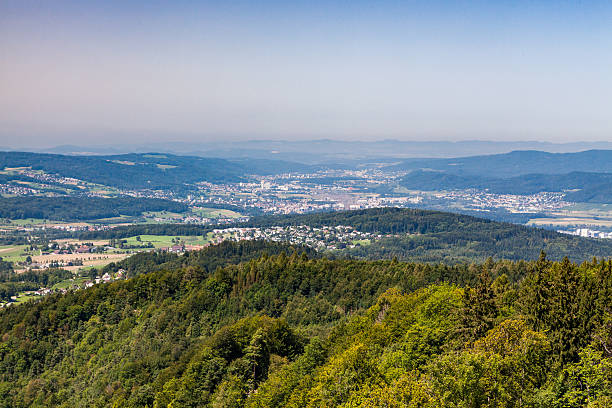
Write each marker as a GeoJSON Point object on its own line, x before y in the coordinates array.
{"type": "Point", "coordinates": [105, 71]}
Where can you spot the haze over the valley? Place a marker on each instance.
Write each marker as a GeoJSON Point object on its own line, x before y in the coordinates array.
{"type": "Point", "coordinates": [110, 72]}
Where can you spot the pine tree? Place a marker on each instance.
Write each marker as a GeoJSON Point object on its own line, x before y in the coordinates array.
{"type": "Point", "coordinates": [479, 308]}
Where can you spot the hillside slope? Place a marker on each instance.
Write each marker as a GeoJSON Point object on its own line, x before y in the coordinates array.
{"type": "Point", "coordinates": [280, 331]}
{"type": "Point", "coordinates": [150, 171]}
{"type": "Point", "coordinates": [517, 163]}
{"type": "Point", "coordinates": [579, 186]}
{"type": "Point", "coordinates": [434, 236]}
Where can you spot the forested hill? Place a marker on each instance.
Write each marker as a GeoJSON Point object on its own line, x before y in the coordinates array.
{"type": "Point", "coordinates": [517, 163]}
{"type": "Point", "coordinates": [578, 186]}
{"type": "Point", "coordinates": [290, 331]}
{"type": "Point", "coordinates": [82, 208]}
{"type": "Point", "coordinates": [433, 236]}
{"type": "Point", "coordinates": [384, 220]}
{"type": "Point", "coordinates": [151, 171]}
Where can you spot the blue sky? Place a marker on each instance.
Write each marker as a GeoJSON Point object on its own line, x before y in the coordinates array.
{"type": "Point", "coordinates": [184, 70]}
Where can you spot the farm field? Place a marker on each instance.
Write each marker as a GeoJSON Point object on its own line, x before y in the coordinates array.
{"type": "Point", "coordinates": [161, 241]}
{"type": "Point", "coordinates": [87, 259]}
{"type": "Point", "coordinates": [596, 215]}
{"type": "Point", "coordinates": [13, 253]}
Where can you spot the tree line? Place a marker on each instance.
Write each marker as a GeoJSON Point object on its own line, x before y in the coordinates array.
{"type": "Point", "coordinates": [82, 208]}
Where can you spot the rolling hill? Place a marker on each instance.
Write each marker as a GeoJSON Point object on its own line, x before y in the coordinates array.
{"type": "Point", "coordinates": [418, 235]}
{"type": "Point", "coordinates": [145, 171]}
{"type": "Point", "coordinates": [517, 163]}
{"type": "Point", "coordinates": [288, 330]}
{"type": "Point", "coordinates": [579, 186]}
{"type": "Point", "coordinates": [585, 176]}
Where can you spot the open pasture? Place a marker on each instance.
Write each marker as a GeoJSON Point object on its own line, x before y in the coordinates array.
{"type": "Point", "coordinates": [215, 213]}
{"type": "Point", "coordinates": [161, 241]}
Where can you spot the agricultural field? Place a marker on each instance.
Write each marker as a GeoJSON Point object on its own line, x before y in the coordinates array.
{"type": "Point", "coordinates": [215, 213]}
{"type": "Point", "coordinates": [14, 253]}
{"type": "Point", "coordinates": [87, 259]}
{"type": "Point", "coordinates": [571, 221]}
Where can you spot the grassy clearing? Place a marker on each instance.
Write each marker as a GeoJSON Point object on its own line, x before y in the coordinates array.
{"type": "Point", "coordinates": [122, 219]}
{"type": "Point", "coordinates": [589, 207]}
{"type": "Point", "coordinates": [161, 241]}
{"type": "Point", "coordinates": [65, 284]}
{"type": "Point", "coordinates": [30, 221]}
{"type": "Point", "coordinates": [216, 213]}
{"type": "Point", "coordinates": [14, 253]}
{"type": "Point", "coordinates": [26, 297]}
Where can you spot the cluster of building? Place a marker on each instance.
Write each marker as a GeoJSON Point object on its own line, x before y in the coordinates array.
{"type": "Point", "coordinates": [74, 227]}
{"type": "Point", "coordinates": [45, 183]}
{"type": "Point", "coordinates": [43, 177]}
{"type": "Point", "coordinates": [324, 190]}
{"type": "Point", "coordinates": [293, 193]}
{"type": "Point", "coordinates": [84, 248]}
{"type": "Point", "coordinates": [16, 189]}
{"type": "Point", "coordinates": [323, 238]}
{"type": "Point", "coordinates": [105, 278]}
{"type": "Point", "coordinates": [182, 248]}
{"type": "Point", "coordinates": [586, 232]}
{"type": "Point", "coordinates": [477, 199]}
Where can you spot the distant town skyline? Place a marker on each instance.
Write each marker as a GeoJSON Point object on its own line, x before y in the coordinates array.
{"type": "Point", "coordinates": [96, 73]}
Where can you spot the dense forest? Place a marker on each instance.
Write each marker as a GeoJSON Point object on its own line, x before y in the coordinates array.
{"type": "Point", "coordinates": [82, 208]}
{"type": "Point", "coordinates": [289, 330]}
{"type": "Point", "coordinates": [207, 259]}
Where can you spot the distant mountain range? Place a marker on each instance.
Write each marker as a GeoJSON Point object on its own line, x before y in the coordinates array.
{"type": "Point", "coordinates": [516, 163]}
{"type": "Point", "coordinates": [328, 151]}
{"type": "Point", "coordinates": [585, 176]}
{"type": "Point", "coordinates": [590, 187]}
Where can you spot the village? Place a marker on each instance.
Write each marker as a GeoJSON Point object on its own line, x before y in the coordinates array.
{"type": "Point", "coordinates": [322, 239]}
{"type": "Point", "coordinates": [75, 283]}
{"type": "Point", "coordinates": [291, 193]}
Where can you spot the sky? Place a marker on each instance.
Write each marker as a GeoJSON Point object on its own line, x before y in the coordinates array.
{"type": "Point", "coordinates": [103, 72]}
